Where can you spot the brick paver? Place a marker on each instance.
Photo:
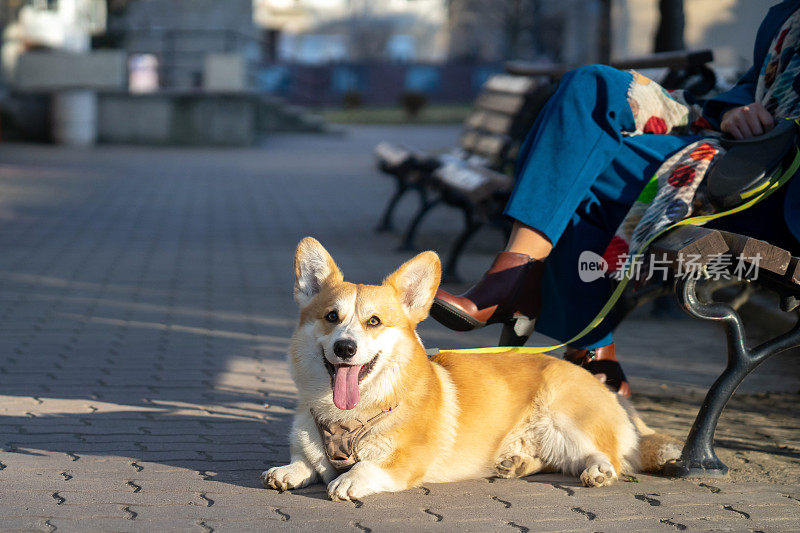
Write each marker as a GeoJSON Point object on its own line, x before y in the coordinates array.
{"type": "Point", "coordinates": [145, 311]}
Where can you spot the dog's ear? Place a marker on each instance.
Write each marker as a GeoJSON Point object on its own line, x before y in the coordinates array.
{"type": "Point", "coordinates": [416, 282]}
{"type": "Point", "coordinates": [313, 266]}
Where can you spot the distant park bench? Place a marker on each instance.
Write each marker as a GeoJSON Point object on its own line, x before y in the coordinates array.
{"type": "Point", "coordinates": [477, 177]}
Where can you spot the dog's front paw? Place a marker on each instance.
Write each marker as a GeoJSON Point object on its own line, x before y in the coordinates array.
{"type": "Point", "coordinates": [599, 475]}
{"type": "Point", "coordinates": [293, 476]}
{"type": "Point", "coordinates": [352, 485]}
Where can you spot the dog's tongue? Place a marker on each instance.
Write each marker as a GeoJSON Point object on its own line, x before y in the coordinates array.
{"type": "Point", "coordinates": [345, 386]}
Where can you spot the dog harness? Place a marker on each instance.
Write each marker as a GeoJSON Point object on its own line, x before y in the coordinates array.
{"type": "Point", "coordinates": [340, 439]}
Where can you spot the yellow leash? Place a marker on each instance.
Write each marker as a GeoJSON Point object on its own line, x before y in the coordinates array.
{"type": "Point", "coordinates": [772, 186]}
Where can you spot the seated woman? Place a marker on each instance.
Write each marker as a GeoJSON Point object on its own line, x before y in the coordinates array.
{"type": "Point", "coordinates": [582, 167]}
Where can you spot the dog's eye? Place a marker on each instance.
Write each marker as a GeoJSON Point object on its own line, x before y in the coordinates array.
{"type": "Point", "coordinates": [333, 316]}
{"type": "Point", "coordinates": [374, 321]}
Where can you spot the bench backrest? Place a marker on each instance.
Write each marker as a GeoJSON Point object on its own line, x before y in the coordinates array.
{"type": "Point", "coordinates": [504, 113]}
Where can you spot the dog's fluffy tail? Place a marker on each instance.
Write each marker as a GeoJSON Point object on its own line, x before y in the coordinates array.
{"type": "Point", "coordinates": [655, 449]}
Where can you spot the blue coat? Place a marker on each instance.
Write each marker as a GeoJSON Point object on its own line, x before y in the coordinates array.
{"type": "Point", "coordinates": [744, 91]}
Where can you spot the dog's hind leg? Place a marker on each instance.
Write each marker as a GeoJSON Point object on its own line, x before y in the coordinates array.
{"type": "Point", "coordinates": [518, 455]}
{"type": "Point", "coordinates": [565, 443]}
{"type": "Point", "coordinates": [599, 471]}
{"type": "Point", "coordinates": [518, 465]}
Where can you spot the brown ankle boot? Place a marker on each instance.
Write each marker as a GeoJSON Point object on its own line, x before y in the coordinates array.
{"type": "Point", "coordinates": [602, 362]}
{"type": "Point", "coordinates": [509, 288]}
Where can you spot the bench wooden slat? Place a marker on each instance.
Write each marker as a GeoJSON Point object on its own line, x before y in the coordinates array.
{"type": "Point", "coordinates": [491, 122]}
{"type": "Point", "coordinates": [500, 103]}
{"type": "Point", "coordinates": [475, 119]}
{"type": "Point", "coordinates": [491, 145]}
{"type": "Point", "coordinates": [484, 144]}
{"type": "Point", "coordinates": [786, 285]}
{"type": "Point", "coordinates": [758, 253]}
{"type": "Point", "coordinates": [469, 140]}
{"type": "Point", "coordinates": [506, 83]}
{"type": "Point", "coordinates": [512, 152]}
{"type": "Point", "coordinates": [500, 124]}
{"type": "Point", "coordinates": [393, 155]}
{"type": "Point", "coordinates": [793, 272]}
{"type": "Point", "coordinates": [789, 281]}
{"type": "Point", "coordinates": [689, 243]}
{"type": "Point", "coordinates": [473, 182]}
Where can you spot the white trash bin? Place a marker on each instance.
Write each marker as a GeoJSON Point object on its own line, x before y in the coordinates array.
{"type": "Point", "coordinates": [75, 117]}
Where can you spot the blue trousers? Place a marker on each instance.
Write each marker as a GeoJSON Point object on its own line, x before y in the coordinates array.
{"type": "Point", "coordinates": [577, 178]}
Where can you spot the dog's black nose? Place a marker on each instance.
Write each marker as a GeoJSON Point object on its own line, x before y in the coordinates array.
{"type": "Point", "coordinates": [345, 348]}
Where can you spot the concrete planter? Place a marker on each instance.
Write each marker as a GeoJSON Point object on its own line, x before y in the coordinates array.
{"type": "Point", "coordinates": [74, 116]}
{"type": "Point", "coordinates": [178, 118]}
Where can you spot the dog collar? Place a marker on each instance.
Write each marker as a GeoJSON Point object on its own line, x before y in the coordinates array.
{"type": "Point", "coordinates": [340, 439]}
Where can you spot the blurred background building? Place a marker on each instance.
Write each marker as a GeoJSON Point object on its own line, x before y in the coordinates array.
{"type": "Point", "coordinates": [726, 26]}
{"type": "Point", "coordinates": [194, 58]}
{"type": "Point", "coordinates": [319, 31]}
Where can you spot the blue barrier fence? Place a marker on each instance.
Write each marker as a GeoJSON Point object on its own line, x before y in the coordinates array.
{"type": "Point", "coordinates": [375, 83]}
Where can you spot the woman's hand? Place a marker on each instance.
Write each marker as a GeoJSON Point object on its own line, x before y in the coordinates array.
{"type": "Point", "coordinates": [747, 121]}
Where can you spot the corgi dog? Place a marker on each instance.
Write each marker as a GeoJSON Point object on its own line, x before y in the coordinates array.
{"type": "Point", "coordinates": [376, 414]}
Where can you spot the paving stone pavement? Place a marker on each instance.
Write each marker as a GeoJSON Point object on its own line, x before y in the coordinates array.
{"type": "Point", "coordinates": [145, 311]}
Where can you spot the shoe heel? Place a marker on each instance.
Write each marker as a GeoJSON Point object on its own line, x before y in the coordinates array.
{"type": "Point", "coordinates": [452, 317]}
{"type": "Point", "coordinates": [517, 331]}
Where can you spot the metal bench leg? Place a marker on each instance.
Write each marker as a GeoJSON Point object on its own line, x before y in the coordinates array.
{"type": "Point", "coordinates": [426, 205]}
{"type": "Point", "coordinates": [698, 457]}
{"type": "Point", "coordinates": [471, 226]}
{"type": "Point", "coordinates": [517, 332]}
{"type": "Point", "coordinates": [386, 224]}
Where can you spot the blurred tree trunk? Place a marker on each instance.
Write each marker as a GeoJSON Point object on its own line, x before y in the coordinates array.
{"type": "Point", "coordinates": [670, 29]}
{"type": "Point", "coordinates": [514, 28]}
{"type": "Point", "coordinates": [604, 32]}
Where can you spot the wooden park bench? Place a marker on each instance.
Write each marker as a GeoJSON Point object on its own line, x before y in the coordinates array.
{"type": "Point", "coordinates": [476, 177]}
{"type": "Point", "coordinates": [747, 166]}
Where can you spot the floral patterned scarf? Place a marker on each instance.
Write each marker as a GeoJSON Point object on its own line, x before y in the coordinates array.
{"type": "Point", "coordinates": [779, 80]}
{"type": "Point", "coordinates": [675, 192]}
